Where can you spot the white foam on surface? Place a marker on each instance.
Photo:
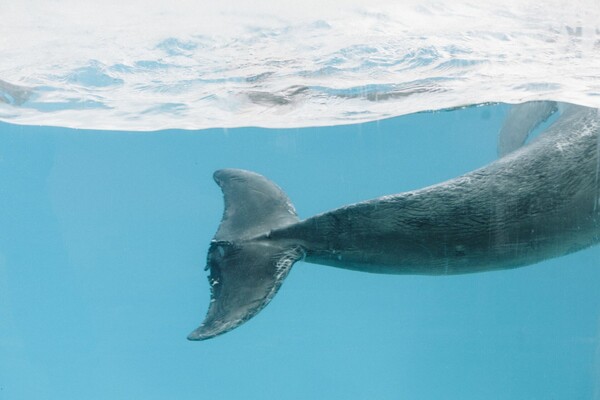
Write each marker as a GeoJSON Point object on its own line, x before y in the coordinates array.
{"type": "Point", "coordinates": [148, 65]}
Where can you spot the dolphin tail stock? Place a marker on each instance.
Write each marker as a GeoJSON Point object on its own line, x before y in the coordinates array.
{"type": "Point", "coordinates": [246, 267]}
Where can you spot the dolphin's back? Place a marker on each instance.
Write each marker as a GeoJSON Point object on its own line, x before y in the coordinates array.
{"type": "Point", "coordinates": [538, 202]}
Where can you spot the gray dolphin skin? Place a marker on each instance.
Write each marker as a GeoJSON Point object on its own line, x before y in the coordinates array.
{"type": "Point", "coordinates": [537, 202]}
{"type": "Point", "coordinates": [14, 94]}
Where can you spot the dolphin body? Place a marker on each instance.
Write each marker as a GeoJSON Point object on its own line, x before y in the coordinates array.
{"type": "Point", "coordinates": [539, 201]}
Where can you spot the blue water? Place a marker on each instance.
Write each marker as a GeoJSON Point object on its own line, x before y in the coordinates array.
{"type": "Point", "coordinates": [103, 239]}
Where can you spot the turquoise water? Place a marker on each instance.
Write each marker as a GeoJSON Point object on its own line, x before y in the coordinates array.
{"type": "Point", "coordinates": [103, 242]}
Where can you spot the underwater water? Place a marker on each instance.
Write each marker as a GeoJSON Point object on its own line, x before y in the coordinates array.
{"type": "Point", "coordinates": [104, 239]}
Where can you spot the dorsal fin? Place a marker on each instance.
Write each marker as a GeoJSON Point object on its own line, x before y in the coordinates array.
{"type": "Point", "coordinates": [521, 120]}
{"type": "Point", "coordinates": [14, 94]}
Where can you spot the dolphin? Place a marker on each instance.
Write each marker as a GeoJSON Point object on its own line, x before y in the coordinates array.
{"type": "Point", "coordinates": [14, 94]}
{"type": "Point", "coordinates": [539, 201]}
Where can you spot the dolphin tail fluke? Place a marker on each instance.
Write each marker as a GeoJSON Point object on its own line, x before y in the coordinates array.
{"type": "Point", "coordinates": [246, 267]}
